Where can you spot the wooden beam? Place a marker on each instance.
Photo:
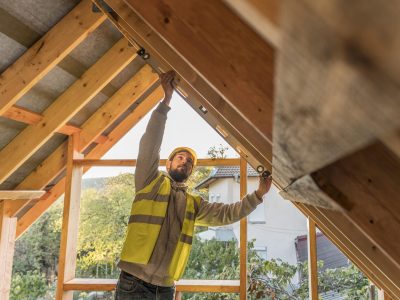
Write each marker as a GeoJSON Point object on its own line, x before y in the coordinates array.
{"type": "Point", "coordinates": [7, 242]}
{"type": "Point", "coordinates": [356, 246]}
{"type": "Point", "coordinates": [70, 224]}
{"type": "Point", "coordinates": [194, 86]}
{"type": "Point", "coordinates": [190, 286]}
{"type": "Point", "coordinates": [243, 233]}
{"type": "Point", "coordinates": [37, 61]}
{"type": "Point", "coordinates": [369, 179]}
{"type": "Point", "coordinates": [262, 16]}
{"type": "Point", "coordinates": [106, 115]}
{"type": "Point", "coordinates": [201, 162]}
{"type": "Point", "coordinates": [330, 75]}
{"type": "Point", "coordinates": [77, 95]}
{"type": "Point", "coordinates": [198, 30]}
{"type": "Point", "coordinates": [113, 137]}
{"type": "Point", "coordinates": [17, 195]}
{"type": "Point", "coordinates": [26, 116]}
{"type": "Point", "coordinates": [312, 260]}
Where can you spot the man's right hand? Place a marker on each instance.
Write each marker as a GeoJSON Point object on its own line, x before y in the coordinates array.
{"type": "Point", "coordinates": [166, 83]}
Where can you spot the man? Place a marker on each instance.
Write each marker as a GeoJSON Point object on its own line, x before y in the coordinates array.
{"type": "Point", "coordinates": [161, 225]}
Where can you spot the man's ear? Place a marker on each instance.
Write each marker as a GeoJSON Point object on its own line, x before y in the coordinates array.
{"type": "Point", "coordinates": [168, 165]}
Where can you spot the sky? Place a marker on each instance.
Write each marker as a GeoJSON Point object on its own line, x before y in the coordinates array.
{"type": "Point", "coordinates": [184, 127]}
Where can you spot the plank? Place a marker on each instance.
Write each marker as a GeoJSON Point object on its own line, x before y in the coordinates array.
{"type": "Point", "coordinates": [243, 233]}
{"type": "Point", "coordinates": [224, 50]}
{"type": "Point", "coordinates": [262, 16]}
{"type": "Point", "coordinates": [17, 195]}
{"type": "Point", "coordinates": [132, 162]}
{"type": "Point", "coordinates": [26, 116]}
{"type": "Point", "coordinates": [77, 95]}
{"type": "Point", "coordinates": [91, 131]}
{"type": "Point", "coordinates": [98, 151]}
{"type": "Point", "coordinates": [330, 75]}
{"type": "Point", "coordinates": [7, 242]}
{"type": "Point", "coordinates": [70, 223]}
{"type": "Point", "coordinates": [312, 260]}
{"type": "Point", "coordinates": [356, 246]}
{"type": "Point", "coordinates": [198, 91]}
{"type": "Point", "coordinates": [369, 179]}
{"type": "Point", "coordinates": [214, 286]}
{"type": "Point", "coordinates": [46, 53]}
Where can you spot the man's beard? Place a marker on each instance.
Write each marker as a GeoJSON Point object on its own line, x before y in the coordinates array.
{"type": "Point", "coordinates": [178, 175]}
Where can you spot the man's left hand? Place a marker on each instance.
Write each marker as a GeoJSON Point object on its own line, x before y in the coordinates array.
{"type": "Point", "coordinates": [264, 186]}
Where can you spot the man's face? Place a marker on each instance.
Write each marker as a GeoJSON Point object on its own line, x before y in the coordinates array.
{"type": "Point", "coordinates": [181, 166]}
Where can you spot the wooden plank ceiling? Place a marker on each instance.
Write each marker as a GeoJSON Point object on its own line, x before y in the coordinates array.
{"type": "Point", "coordinates": [307, 89]}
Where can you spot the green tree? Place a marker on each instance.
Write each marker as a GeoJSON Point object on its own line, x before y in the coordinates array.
{"type": "Point", "coordinates": [104, 217]}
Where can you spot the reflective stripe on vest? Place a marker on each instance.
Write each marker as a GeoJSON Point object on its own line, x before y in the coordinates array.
{"type": "Point", "coordinates": [147, 215]}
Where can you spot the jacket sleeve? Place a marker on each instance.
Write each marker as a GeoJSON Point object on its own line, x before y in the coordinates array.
{"type": "Point", "coordinates": [149, 147]}
{"type": "Point", "coordinates": [217, 214]}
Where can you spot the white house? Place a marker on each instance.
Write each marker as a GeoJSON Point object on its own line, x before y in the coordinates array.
{"type": "Point", "coordinates": [274, 225]}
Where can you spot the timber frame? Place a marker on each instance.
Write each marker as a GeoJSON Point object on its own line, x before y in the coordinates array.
{"type": "Point", "coordinates": [291, 85]}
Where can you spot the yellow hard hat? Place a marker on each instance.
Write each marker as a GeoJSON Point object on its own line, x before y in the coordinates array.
{"type": "Point", "coordinates": [184, 149]}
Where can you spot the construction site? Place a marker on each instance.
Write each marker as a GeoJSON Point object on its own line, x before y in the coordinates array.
{"type": "Point", "coordinates": [305, 90]}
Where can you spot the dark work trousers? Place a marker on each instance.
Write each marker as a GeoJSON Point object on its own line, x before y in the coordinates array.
{"type": "Point", "coordinates": [131, 288]}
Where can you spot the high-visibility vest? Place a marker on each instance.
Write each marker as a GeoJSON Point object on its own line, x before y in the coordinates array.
{"type": "Point", "coordinates": [147, 215]}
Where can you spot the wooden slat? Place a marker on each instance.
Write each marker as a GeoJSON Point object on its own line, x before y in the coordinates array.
{"type": "Point", "coordinates": [17, 195]}
{"type": "Point", "coordinates": [331, 71]}
{"type": "Point", "coordinates": [212, 286]}
{"type": "Point", "coordinates": [108, 113]}
{"type": "Point", "coordinates": [77, 95]}
{"type": "Point", "coordinates": [132, 162]}
{"type": "Point", "coordinates": [262, 16]}
{"type": "Point", "coordinates": [70, 223]}
{"type": "Point", "coordinates": [243, 232]}
{"type": "Point", "coordinates": [241, 132]}
{"type": "Point", "coordinates": [369, 179]}
{"type": "Point", "coordinates": [35, 63]}
{"type": "Point", "coordinates": [356, 246]}
{"type": "Point", "coordinates": [312, 260]}
{"type": "Point", "coordinates": [113, 137]}
{"type": "Point", "coordinates": [216, 42]}
{"type": "Point", "coordinates": [7, 242]}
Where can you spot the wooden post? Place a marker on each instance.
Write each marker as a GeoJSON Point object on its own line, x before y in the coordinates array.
{"type": "Point", "coordinates": [382, 295]}
{"type": "Point", "coordinates": [312, 260]}
{"type": "Point", "coordinates": [69, 233]}
{"type": "Point", "coordinates": [8, 226]}
{"type": "Point", "coordinates": [178, 295]}
{"type": "Point", "coordinates": [243, 232]}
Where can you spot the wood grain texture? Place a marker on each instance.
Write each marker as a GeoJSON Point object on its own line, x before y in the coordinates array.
{"type": "Point", "coordinates": [77, 95]}
{"type": "Point", "coordinates": [227, 53]}
{"type": "Point", "coordinates": [332, 95]}
{"type": "Point", "coordinates": [46, 53]}
{"type": "Point", "coordinates": [243, 233]}
{"type": "Point", "coordinates": [198, 91]}
{"type": "Point", "coordinates": [17, 195]}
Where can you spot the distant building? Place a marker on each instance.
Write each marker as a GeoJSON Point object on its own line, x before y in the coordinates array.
{"type": "Point", "coordinates": [274, 225]}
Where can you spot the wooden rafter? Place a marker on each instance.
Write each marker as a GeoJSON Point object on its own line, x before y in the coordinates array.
{"type": "Point", "coordinates": [113, 137]}
{"type": "Point", "coordinates": [356, 246]}
{"type": "Point", "coordinates": [76, 96]}
{"type": "Point", "coordinates": [106, 115]}
{"type": "Point", "coordinates": [46, 53]}
{"type": "Point", "coordinates": [26, 116]}
{"type": "Point", "coordinates": [198, 91]}
{"type": "Point", "coordinates": [234, 59]}
{"type": "Point", "coordinates": [16, 195]}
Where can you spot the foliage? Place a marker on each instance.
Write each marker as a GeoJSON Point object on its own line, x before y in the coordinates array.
{"type": "Point", "coordinates": [199, 174]}
{"type": "Point", "coordinates": [31, 285]}
{"type": "Point", "coordinates": [215, 152]}
{"type": "Point", "coordinates": [104, 215]}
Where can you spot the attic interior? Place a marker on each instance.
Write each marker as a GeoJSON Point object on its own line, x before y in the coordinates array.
{"type": "Point", "coordinates": [307, 89]}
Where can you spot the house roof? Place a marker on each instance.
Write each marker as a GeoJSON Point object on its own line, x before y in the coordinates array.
{"type": "Point", "coordinates": [326, 252]}
{"type": "Point", "coordinates": [225, 172]}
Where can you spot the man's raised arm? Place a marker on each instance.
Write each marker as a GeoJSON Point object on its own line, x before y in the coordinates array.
{"type": "Point", "coordinates": [150, 143]}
